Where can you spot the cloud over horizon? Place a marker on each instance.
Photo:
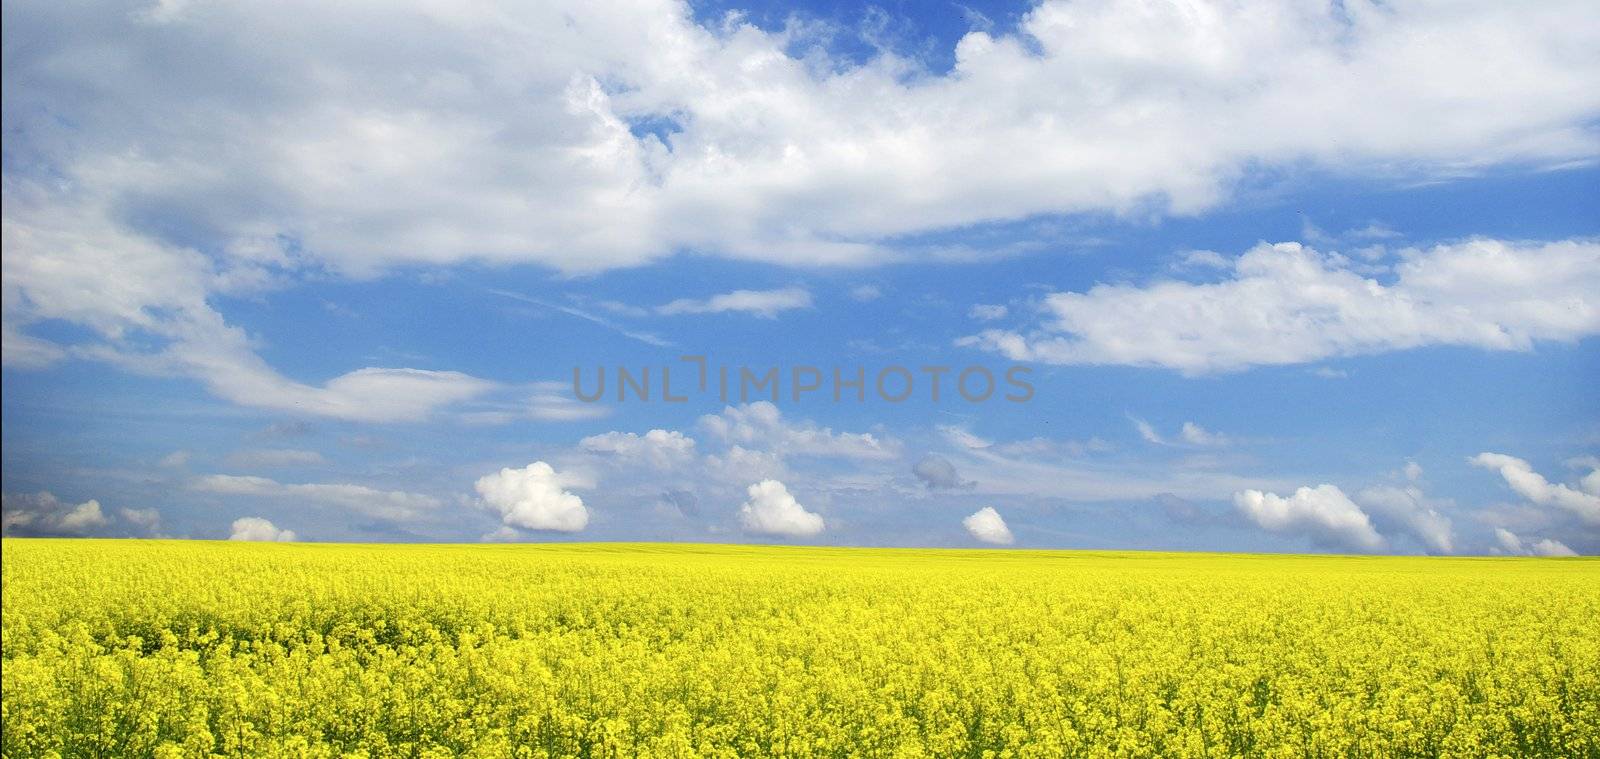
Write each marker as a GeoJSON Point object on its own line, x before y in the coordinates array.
{"type": "Point", "coordinates": [1324, 514]}
{"type": "Point", "coordinates": [771, 510]}
{"type": "Point", "coordinates": [330, 266]}
{"type": "Point", "coordinates": [533, 498]}
{"type": "Point", "coordinates": [985, 525]}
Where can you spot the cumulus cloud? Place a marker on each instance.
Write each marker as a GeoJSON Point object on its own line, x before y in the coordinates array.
{"type": "Point", "coordinates": [1533, 486]}
{"type": "Point", "coordinates": [661, 449]}
{"type": "Point", "coordinates": [1510, 542]}
{"type": "Point", "coordinates": [521, 149]}
{"type": "Point", "coordinates": [937, 473]}
{"type": "Point", "coordinates": [81, 518]}
{"type": "Point", "coordinates": [501, 534]}
{"type": "Point", "coordinates": [1201, 259]}
{"type": "Point", "coordinates": [1288, 304]}
{"type": "Point", "coordinates": [395, 505]}
{"type": "Point", "coordinates": [298, 148]}
{"type": "Point", "coordinates": [771, 510]}
{"type": "Point", "coordinates": [986, 525]}
{"type": "Point", "coordinates": [761, 425]}
{"type": "Point", "coordinates": [147, 520]}
{"type": "Point", "coordinates": [533, 498]}
{"type": "Point", "coordinates": [42, 514]}
{"type": "Point", "coordinates": [763, 303]}
{"type": "Point", "coordinates": [258, 529]}
{"type": "Point", "coordinates": [1323, 514]}
{"type": "Point", "coordinates": [739, 465]}
{"type": "Point", "coordinates": [1408, 509]}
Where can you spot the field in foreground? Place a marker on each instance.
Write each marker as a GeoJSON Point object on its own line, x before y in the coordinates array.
{"type": "Point", "coordinates": [195, 649]}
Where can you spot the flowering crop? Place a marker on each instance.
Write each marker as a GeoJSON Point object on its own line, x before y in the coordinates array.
{"type": "Point", "coordinates": [176, 649]}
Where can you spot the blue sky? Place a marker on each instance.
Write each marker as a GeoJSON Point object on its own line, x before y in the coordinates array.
{"type": "Point", "coordinates": [1291, 277]}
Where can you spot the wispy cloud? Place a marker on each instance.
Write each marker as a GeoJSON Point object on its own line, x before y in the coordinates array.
{"type": "Point", "coordinates": [643, 337]}
{"type": "Point", "coordinates": [763, 303]}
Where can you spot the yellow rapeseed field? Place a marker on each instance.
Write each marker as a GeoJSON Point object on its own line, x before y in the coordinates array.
{"type": "Point", "coordinates": [167, 649]}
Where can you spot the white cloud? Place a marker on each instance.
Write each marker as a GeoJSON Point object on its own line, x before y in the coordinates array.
{"type": "Point", "coordinates": [1409, 509]}
{"type": "Point", "coordinates": [964, 438]}
{"type": "Point", "coordinates": [1202, 259]}
{"type": "Point", "coordinates": [504, 137]}
{"type": "Point", "coordinates": [987, 313]}
{"type": "Point", "coordinates": [1512, 543]}
{"type": "Point", "coordinates": [396, 505]}
{"type": "Point", "coordinates": [368, 395]}
{"type": "Point", "coordinates": [1194, 434]}
{"type": "Point", "coordinates": [258, 529]}
{"type": "Point", "coordinates": [1148, 431]}
{"type": "Point", "coordinates": [519, 148]}
{"type": "Point", "coordinates": [986, 525]}
{"type": "Point", "coordinates": [148, 520]}
{"type": "Point", "coordinates": [175, 460]}
{"type": "Point", "coordinates": [532, 498]}
{"type": "Point", "coordinates": [937, 473]}
{"type": "Point", "coordinates": [661, 449]}
{"type": "Point", "coordinates": [740, 465]}
{"type": "Point", "coordinates": [553, 402]}
{"type": "Point", "coordinates": [1548, 547]}
{"type": "Point", "coordinates": [1533, 486]}
{"type": "Point", "coordinates": [1323, 513]}
{"type": "Point", "coordinates": [42, 514]}
{"type": "Point", "coordinates": [147, 301]}
{"type": "Point", "coordinates": [763, 303]}
{"type": "Point", "coordinates": [761, 425]}
{"type": "Point", "coordinates": [502, 534]}
{"type": "Point", "coordinates": [644, 337]}
{"type": "Point", "coordinates": [1589, 483]}
{"type": "Point", "coordinates": [771, 510]}
{"type": "Point", "coordinates": [25, 352]}
{"type": "Point", "coordinates": [1413, 471]}
{"type": "Point", "coordinates": [1190, 434]}
{"type": "Point", "coordinates": [82, 518]}
{"type": "Point", "coordinates": [1288, 304]}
